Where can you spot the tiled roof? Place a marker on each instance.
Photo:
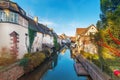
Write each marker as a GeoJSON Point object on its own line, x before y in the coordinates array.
{"type": "Point", "coordinates": [38, 27]}
{"type": "Point", "coordinates": [7, 4]}
{"type": "Point", "coordinates": [80, 31]}
{"type": "Point", "coordinates": [35, 26]}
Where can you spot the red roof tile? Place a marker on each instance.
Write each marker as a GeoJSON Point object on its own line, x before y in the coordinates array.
{"type": "Point", "coordinates": [80, 31]}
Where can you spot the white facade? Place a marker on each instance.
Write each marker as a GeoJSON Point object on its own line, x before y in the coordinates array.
{"type": "Point", "coordinates": [37, 43]}
{"type": "Point", "coordinates": [6, 41]}
{"type": "Point", "coordinates": [59, 41]}
{"type": "Point", "coordinates": [48, 40]}
{"type": "Point", "coordinates": [84, 41]}
{"type": "Point", "coordinates": [92, 30]}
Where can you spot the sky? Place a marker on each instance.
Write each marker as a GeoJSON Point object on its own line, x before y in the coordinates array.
{"type": "Point", "coordinates": [64, 16]}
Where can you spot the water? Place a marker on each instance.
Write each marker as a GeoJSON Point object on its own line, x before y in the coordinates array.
{"type": "Point", "coordinates": [62, 68]}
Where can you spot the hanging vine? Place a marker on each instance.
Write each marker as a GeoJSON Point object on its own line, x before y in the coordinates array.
{"type": "Point", "coordinates": [32, 34]}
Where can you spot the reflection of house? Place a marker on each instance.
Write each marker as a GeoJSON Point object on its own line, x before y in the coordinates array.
{"type": "Point", "coordinates": [13, 28]}
{"type": "Point", "coordinates": [19, 33]}
{"type": "Point", "coordinates": [84, 39]}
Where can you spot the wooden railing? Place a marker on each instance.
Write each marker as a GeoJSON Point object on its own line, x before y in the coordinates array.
{"type": "Point", "coordinates": [93, 70]}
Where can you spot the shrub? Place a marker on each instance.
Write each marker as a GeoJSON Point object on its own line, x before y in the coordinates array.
{"type": "Point", "coordinates": [32, 60]}
{"type": "Point", "coordinates": [24, 62]}
{"type": "Point", "coordinates": [90, 56]}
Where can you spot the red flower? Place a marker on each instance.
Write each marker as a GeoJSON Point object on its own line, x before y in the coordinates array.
{"type": "Point", "coordinates": [117, 73]}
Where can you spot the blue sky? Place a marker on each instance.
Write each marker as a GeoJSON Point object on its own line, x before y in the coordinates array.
{"type": "Point", "coordinates": [64, 16]}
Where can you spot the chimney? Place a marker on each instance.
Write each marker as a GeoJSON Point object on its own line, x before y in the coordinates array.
{"type": "Point", "coordinates": [36, 19]}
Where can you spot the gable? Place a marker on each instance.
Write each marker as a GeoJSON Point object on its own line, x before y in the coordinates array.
{"type": "Point", "coordinates": [92, 29]}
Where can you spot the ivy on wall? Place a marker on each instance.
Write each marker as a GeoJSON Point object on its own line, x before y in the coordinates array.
{"type": "Point", "coordinates": [56, 45]}
{"type": "Point", "coordinates": [32, 34]}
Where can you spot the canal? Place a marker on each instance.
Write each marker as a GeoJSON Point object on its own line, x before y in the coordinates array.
{"type": "Point", "coordinates": [61, 67]}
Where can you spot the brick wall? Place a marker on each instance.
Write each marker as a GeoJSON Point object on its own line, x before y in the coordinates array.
{"type": "Point", "coordinates": [12, 72]}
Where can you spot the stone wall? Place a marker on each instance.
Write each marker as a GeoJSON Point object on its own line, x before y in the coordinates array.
{"type": "Point", "coordinates": [13, 72]}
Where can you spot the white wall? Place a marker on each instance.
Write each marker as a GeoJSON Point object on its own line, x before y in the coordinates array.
{"type": "Point", "coordinates": [48, 40]}
{"type": "Point", "coordinates": [91, 48]}
{"type": "Point", "coordinates": [5, 30]}
{"type": "Point", "coordinates": [59, 41]}
{"type": "Point", "coordinates": [92, 29]}
{"type": "Point", "coordinates": [37, 43]}
{"type": "Point", "coordinates": [22, 21]}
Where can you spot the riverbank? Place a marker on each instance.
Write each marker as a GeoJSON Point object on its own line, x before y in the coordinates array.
{"type": "Point", "coordinates": [39, 71]}
{"type": "Point", "coordinates": [15, 70]}
{"type": "Point", "coordinates": [94, 72]}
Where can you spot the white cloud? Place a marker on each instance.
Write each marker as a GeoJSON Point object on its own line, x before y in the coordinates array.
{"type": "Point", "coordinates": [78, 24]}
{"type": "Point", "coordinates": [47, 22]}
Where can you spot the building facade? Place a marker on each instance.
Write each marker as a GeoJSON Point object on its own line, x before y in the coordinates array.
{"type": "Point", "coordinates": [19, 33]}
{"type": "Point", "coordinates": [13, 29]}
{"type": "Point", "coordinates": [84, 39]}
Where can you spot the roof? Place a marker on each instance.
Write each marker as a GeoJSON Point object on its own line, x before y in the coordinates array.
{"type": "Point", "coordinates": [7, 4]}
{"type": "Point", "coordinates": [73, 38]}
{"type": "Point", "coordinates": [34, 26]}
{"type": "Point", "coordinates": [45, 28]}
{"type": "Point", "coordinates": [80, 31]}
{"type": "Point", "coordinates": [38, 27]}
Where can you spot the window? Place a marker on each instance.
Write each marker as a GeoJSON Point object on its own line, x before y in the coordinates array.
{"type": "Point", "coordinates": [16, 18]}
{"type": "Point", "coordinates": [12, 17]}
{"type": "Point", "coordinates": [2, 16]}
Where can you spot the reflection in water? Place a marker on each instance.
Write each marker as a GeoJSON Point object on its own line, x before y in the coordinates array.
{"type": "Point", "coordinates": [37, 73]}
{"type": "Point", "coordinates": [59, 68]}
{"type": "Point", "coordinates": [54, 62]}
{"type": "Point", "coordinates": [64, 70]}
{"type": "Point", "coordinates": [63, 51]}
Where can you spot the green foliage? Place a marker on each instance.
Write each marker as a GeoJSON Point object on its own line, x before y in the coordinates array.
{"type": "Point", "coordinates": [90, 56]}
{"type": "Point", "coordinates": [98, 24]}
{"type": "Point", "coordinates": [32, 34]}
{"type": "Point", "coordinates": [56, 44]}
{"type": "Point", "coordinates": [32, 60]}
{"type": "Point", "coordinates": [24, 62]}
{"type": "Point", "coordinates": [105, 4]}
{"type": "Point", "coordinates": [111, 14]}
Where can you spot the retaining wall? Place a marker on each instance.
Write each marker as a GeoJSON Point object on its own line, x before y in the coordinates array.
{"type": "Point", "coordinates": [12, 72]}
